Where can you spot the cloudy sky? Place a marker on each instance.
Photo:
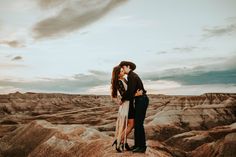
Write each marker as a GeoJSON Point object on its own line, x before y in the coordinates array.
{"type": "Point", "coordinates": [70, 46]}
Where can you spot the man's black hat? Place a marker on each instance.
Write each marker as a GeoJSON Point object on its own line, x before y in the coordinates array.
{"type": "Point", "coordinates": [131, 64]}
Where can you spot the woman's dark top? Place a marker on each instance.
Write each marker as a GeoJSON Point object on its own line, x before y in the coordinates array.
{"type": "Point", "coordinates": [122, 91]}
{"type": "Point", "coordinates": [121, 88]}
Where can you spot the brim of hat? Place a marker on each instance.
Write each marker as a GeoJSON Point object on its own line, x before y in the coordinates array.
{"type": "Point", "coordinates": [131, 64]}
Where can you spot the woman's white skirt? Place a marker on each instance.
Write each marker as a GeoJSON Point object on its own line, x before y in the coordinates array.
{"type": "Point", "coordinates": [121, 123]}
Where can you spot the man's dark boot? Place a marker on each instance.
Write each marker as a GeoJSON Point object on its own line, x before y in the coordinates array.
{"type": "Point", "coordinates": [133, 147]}
{"type": "Point", "coordinates": [140, 150]}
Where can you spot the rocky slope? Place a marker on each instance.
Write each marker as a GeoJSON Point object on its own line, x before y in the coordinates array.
{"type": "Point", "coordinates": [37, 124]}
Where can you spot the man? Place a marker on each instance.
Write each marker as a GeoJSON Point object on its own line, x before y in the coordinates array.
{"type": "Point", "coordinates": [141, 104]}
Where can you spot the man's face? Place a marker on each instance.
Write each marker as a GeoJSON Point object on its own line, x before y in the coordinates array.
{"type": "Point", "coordinates": [122, 72]}
{"type": "Point", "coordinates": [126, 69]}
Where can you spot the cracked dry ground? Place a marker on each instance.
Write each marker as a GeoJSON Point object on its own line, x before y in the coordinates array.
{"type": "Point", "coordinates": [38, 124]}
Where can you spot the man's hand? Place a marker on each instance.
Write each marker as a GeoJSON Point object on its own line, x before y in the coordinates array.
{"type": "Point", "coordinates": [120, 103]}
{"type": "Point", "coordinates": [139, 92]}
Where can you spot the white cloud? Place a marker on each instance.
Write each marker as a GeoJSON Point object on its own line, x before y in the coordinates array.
{"type": "Point", "coordinates": [198, 89]}
{"type": "Point", "coordinates": [12, 43]}
{"type": "Point", "coordinates": [219, 31]}
{"type": "Point", "coordinates": [99, 90]}
{"type": "Point", "coordinates": [161, 84]}
{"type": "Point", "coordinates": [9, 89]}
{"type": "Point", "coordinates": [74, 15]}
{"type": "Point", "coordinates": [78, 83]}
{"type": "Point", "coordinates": [7, 66]}
{"type": "Point", "coordinates": [171, 88]}
{"type": "Point", "coordinates": [16, 58]}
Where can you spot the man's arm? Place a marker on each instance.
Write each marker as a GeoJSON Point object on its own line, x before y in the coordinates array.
{"type": "Point", "coordinates": [129, 94]}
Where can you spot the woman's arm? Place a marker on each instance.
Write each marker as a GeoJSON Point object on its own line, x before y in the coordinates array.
{"type": "Point", "coordinates": [116, 100]}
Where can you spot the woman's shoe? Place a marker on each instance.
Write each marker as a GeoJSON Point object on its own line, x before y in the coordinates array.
{"type": "Point", "coordinates": [115, 142]}
{"type": "Point", "coordinates": [118, 149]}
{"type": "Point", "coordinates": [122, 146]}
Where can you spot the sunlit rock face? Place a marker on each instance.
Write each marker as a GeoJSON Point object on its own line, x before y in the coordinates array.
{"type": "Point", "coordinates": [38, 124]}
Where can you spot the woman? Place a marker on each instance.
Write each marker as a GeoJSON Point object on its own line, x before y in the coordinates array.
{"type": "Point", "coordinates": [125, 119]}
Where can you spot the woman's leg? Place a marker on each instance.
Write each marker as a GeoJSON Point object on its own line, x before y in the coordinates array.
{"type": "Point", "coordinates": [129, 129]}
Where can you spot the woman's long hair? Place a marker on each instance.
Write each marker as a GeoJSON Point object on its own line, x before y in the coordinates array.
{"type": "Point", "coordinates": [114, 80]}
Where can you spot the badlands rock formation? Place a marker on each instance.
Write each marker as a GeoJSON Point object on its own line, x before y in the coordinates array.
{"type": "Point", "coordinates": [39, 125]}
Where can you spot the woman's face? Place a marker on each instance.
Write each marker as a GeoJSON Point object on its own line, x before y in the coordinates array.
{"type": "Point", "coordinates": [122, 72]}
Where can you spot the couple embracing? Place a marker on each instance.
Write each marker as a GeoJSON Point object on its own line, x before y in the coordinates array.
{"type": "Point", "coordinates": [133, 105]}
